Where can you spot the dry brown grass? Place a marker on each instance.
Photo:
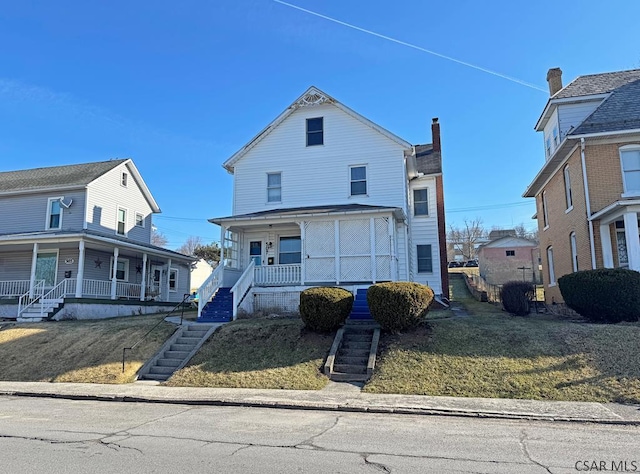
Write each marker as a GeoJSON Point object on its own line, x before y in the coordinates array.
{"type": "Point", "coordinates": [79, 351]}
{"type": "Point", "coordinates": [259, 353]}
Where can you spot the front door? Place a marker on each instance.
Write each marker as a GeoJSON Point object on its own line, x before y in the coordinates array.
{"type": "Point", "coordinates": [46, 268]}
{"type": "Point", "coordinates": [255, 251]}
{"type": "Point", "coordinates": [155, 276]}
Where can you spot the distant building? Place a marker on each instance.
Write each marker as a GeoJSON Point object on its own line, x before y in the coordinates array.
{"type": "Point", "coordinates": [507, 258]}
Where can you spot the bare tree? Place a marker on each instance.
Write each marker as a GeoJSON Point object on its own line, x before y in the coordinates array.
{"type": "Point", "coordinates": [190, 245]}
{"type": "Point", "coordinates": [465, 239]}
{"type": "Point", "coordinates": [158, 238]}
{"type": "Point", "coordinates": [523, 232]}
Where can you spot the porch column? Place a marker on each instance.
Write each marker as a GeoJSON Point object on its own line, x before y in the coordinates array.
{"type": "Point", "coordinates": [167, 298]}
{"type": "Point", "coordinates": [80, 272]}
{"type": "Point", "coordinates": [607, 250]}
{"type": "Point", "coordinates": [392, 250]}
{"type": "Point", "coordinates": [303, 254]}
{"type": "Point", "coordinates": [223, 231]}
{"type": "Point", "coordinates": [114, 269]}
{"type": "Point", "coordinates": [633, 240]}
{"type": "Point", "coordinates": [143, 285]}
{"type": "Point", "coordinates": [336, 231]}
{"type": "Point", "coordinates": [34, 261]}
{"type": "Point", "coordinates": [372, 238]}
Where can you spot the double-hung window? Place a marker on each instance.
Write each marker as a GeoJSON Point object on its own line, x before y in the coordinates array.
{"type": "Point", "coordinates": [574, 251]}
{"type": "Point", "coordinates": [54, 214]}
{"type": "Point", "coordinates": [545, 213]}
{"type": "Point", "coordinates": [290, 250]}
{"type": "Point", "coordinates": [358, 179]}
{"type": "Point", "coordinates": [567, 188]}
{"type": "Point", "coordinates": [552, 271]}
{"type": "Point", "coordinates": [139, 219]}
{"type": "Point", "coordinates": [173, 279]}
{"type": "Point", "coordinates": [274, 187]}
{"type": "Point", "coordinates": [425, 260]}
{"type": "Point", "coordinates": [420, 202]}
{"type": "Point", "coordinates": [121, 224]}
{"type": "Point", "coordinates": [315, 131]}
{"type": "Point", "coordinates": [122, 269]}
{"type": "Point", "coordinates": [630, 160]}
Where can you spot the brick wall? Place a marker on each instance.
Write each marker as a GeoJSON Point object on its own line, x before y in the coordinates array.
{"type": "Point", "coordinates": [498, 268]}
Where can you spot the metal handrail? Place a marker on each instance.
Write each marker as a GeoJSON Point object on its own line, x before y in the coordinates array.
{"type": "Point", "coordinates": [125, 349]}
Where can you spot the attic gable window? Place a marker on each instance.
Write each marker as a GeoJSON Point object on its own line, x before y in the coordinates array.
{"type": "Point", "coordinates": [315, 131]}
{"type": "Point", "coordinates": [123, 179]}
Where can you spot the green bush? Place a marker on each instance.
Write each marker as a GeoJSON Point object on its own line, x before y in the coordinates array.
{"type": "Point", "coordinates": [515, 296]}
{"type": "Point", "coordinates": [399, 305]}
{"type": "Point", "coordinates": [325, 308]}
{"type": "Point", "coordinates": [603, 295]}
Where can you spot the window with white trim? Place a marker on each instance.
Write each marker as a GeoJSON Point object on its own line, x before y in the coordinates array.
{"type": "Point", "coordinates": [290, 250]}
{"type": "Point", "coordinates": [315, 131]}
{"type": "Point", "coordinates": [421, 202]}
{"type": "Point", "coordinates": [630, 161]}
{"type": "Point", "coordinates": [552, 271]}
{"type": "Point", "coordinates": [122, 269]}
{"type": "Point", "coordinates": [545, 214]}
{"type": "Point", "coordinates": [54, 214]}
{"type": "Point", "coordinates": [139, 219]}
{"type": "Point", "coordinates": [567, 188]}
{"type": "Point", "coordinates": [173, 279]}
{"type": "Point", "coordinates": [358, 180]}
{"type": "Point", "coordinates": [124, 178]}
{"type": "Point", "coordinates": [548, 147]}
{"type": "Point", "coordinates": [425, 259]}
{"type": "Point", "coordinates": [121, 224]}
{"type": "Point", "coordinates": [274, 187]}
{"type": "Point", "coordinates": [574, 251]}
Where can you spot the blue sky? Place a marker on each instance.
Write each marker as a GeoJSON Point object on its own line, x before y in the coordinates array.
{"type": "Point", "coordinates": [180, 86]}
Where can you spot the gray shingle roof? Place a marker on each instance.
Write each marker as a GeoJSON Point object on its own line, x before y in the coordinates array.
{"type": "Point", "coordinates": [619, 111]}
{"type": "Point", "coordinates": [427, 161]}
{"type": "Point", "coordinates": [55, 176]}
{"type": "Point", "coordinates": [597, 83]}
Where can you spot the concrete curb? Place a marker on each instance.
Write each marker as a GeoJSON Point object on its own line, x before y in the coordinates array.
{"type": "Point", "coordinates": [261, 399]}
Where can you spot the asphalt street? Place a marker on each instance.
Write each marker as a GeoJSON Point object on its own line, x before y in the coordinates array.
{"type": "Point", "coordinates": [62, 436]}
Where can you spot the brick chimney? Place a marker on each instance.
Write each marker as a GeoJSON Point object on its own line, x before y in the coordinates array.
{"type": "Point", "coordinates": [435, 134]}
{"type": "Point", "coordinates": [554, 78]}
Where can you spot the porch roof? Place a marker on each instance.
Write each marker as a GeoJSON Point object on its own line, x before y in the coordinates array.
{"type": "Point", "coordinates": [305, 212]}
{"type": "Point", "coordinates": [89, 235]}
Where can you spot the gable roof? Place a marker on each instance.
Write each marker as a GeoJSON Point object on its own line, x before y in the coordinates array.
{"type": "Point", "coordinates": [68, 177]}
{"type": "Point", "coordinates": [593, 84]}
{"type": "Point", "coordinates": [509, 241]}
{"type": "Point", "coordinates": [311, 97]}
{"type": "Point", "coordinates": [55, 176]}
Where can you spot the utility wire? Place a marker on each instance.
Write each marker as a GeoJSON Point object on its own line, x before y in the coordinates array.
{"type": "Point", "coordinates": [419, 48]}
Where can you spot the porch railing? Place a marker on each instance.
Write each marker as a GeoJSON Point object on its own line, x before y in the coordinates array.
{"type": "Point", "coordinates": [58, 292]}
{"type": "Point", "coordinates": [30, 297]}
{"type": "Point", "coordinates": [14, 288]}
{"type": "Point", "coordinates": [97, 288]}
{"type": "Point", "coordinates": [278, 275]}
{"type": "Point", "coordinates": [242, 286]}
{"type": "Point", "coordinates": [209, 287]}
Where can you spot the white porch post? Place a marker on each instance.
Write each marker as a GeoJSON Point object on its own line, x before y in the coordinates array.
{"type": "Point", "coordinates": [167, 297]}
{"type": "Point", "coordinates": [34, 261]}
{"type": "Point", "coordinates": [223, 231]}
{"type": "Point", "coordinates": [336, 231]}
{"type": "Point", "coordinates": [372, 238]}
{"type": "Point", "coordinates": [607, 250]}
{"type": "Point", "coordinates": [303, 254]}
{"type": "Point", "coordinates": [633, 240]}
{"type": "Point", "coordinates": [143, 285]}
{"type": "Point", "coordinates": [114, 270]}
{"type": "Point", "coordinates": [392, 250]}
{"type": "Point", "coordinates": [80, 273]}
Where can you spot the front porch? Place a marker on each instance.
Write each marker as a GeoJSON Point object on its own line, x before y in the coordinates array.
{"type": "Point", "coordinates": [620, 235]}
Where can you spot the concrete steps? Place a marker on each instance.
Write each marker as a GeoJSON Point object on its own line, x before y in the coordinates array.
{"type": "Point", "coordinates": [353, 354]}
{"type": "Point", "coordinates": [41, 311]}
{"type": "Point", "coordinates": [177, 351]}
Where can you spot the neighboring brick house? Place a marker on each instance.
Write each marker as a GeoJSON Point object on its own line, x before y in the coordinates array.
{"type": "Point", "coordinates": [507, 258]}
{"type": "Point", "coordinates": [588, 190]}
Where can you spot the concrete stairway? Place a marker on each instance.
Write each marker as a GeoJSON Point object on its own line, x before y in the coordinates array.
{"type": "Point", "coordinates": [353, 355]}
{"type": "Point", "coordinates": [177, 351]}
{"type": "Point", "coordinates": [40, 311]}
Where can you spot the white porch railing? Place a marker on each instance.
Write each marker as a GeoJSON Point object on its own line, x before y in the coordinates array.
{"type": "Point", "coordinates": [278, 275]}
{"type": "Point", "coordinates": [46, 300]}
{"type": "Point", "coordinates": [30, 297]}
{"type": "Point", "coordinates": [244, 284]}
{"type": "Point", "coordinates": [208, 288]}
{"type": "Point", "coordinates": [13, 288]}
{"type": "Point", "coordinates": [128, 290]}
{"type": "Point", "coordinates": [96, 288]}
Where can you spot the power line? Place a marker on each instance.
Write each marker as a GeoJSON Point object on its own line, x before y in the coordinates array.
{"type": "Point", "coordinates": [419, 48]}
{"type": "Point", "coordinates": [489, 207]}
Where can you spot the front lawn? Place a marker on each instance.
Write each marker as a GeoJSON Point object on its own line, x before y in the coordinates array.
{"type": "Point", "coordinates": [259, 353]}
{"type": "Point", "coordinates": [493, 354]}
{"type": "Point", "coordinates": [79, 351]}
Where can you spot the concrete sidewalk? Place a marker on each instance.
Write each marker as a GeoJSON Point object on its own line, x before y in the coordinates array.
{"type": "Point", "coordinates": [340, 400]}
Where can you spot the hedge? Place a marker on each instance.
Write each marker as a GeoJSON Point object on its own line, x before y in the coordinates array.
{"type": "Point", "coordinates": [515, 297]}
{"type": "Point", "coordinates": [399, 305]}
{"type": "Point", "coordinates": [325, 308]}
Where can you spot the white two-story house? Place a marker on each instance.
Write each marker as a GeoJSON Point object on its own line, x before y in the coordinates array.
{"type": "Point", "coordinates": [324, 196]}
{"type": "Point", "coordinates": [76, 239]}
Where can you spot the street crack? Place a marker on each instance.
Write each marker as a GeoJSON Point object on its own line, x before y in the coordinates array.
{"type": "Point", "coordinates": [523, 445]}
{"type": "Point", "coordinates": [376, 465]}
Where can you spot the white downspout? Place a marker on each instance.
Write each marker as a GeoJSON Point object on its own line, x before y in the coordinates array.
{"type": "Point", "coordinates": [588, 205]}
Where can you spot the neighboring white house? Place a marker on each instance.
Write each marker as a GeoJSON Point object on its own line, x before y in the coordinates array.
{"type": "Point", "coordinates": [324, 196]}
{"type": "Point", "coordinates": [200, 271]}
{"type": "Point", "coordinates": [78, 237]}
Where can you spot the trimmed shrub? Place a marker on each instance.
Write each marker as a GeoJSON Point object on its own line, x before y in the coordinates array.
{"type": "Point", "coordinates": [515, 296]}
{"type": "Point", "coordinates": [399, 305]}
{"type": "Point", "coordinates": [325, 308]}
{"type": "Point", "coordinates": [604, 295]}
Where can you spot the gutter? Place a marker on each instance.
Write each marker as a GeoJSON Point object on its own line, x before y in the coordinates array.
{"type": "Point", "coordinates": [588, 204]}
{"type": "Point", "coordinates": [582, 136]}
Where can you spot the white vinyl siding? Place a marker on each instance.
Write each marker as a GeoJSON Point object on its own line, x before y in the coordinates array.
{"type": "Point", "coordinates": [572, 115]}
{"type": "Point", "coordinates": [318, 175]}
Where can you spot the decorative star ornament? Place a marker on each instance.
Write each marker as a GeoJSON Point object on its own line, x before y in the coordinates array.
{"type": "Point", "coordinates": [98, 262]}
{"type": "Point", "coordinates": [138, 268]}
